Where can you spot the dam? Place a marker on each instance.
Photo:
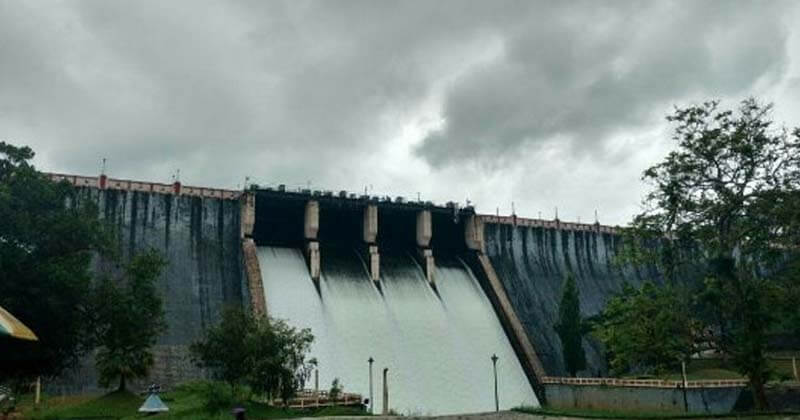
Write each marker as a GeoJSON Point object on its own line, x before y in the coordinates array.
{"type": "Point", "coordinates": [430, 292]}
{"type": "Point", "coordinates": [437, 348]}
{"type": "Point", "coordinates": [371, 282]}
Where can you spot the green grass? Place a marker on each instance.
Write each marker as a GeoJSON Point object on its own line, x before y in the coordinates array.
{"type": "Point", "coordinates": [185, 402]}
{"type": "Point", "coordinates": [700, 369]}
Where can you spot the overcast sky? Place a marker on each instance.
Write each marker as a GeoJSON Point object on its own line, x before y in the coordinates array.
{"type": "Point", "coordinates": [541, 103]}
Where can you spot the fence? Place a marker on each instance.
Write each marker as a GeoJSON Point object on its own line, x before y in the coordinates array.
{"type": "Point", "coordinates": [308, 398]}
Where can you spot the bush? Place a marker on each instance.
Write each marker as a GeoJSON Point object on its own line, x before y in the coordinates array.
{"type": "Point", "coordinates": [336, 390]}
{"type": "Point", "coordinates": [218, 396]}
{"type": "Point", "coordinates": [264, 353]}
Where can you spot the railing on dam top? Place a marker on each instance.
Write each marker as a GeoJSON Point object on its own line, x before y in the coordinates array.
{"type": "Point", "coordinates": [103, 182]}
{"type": "Point", "coordinates": [551, 224]}
{"type": "Point", "coordinates": [645, 383]}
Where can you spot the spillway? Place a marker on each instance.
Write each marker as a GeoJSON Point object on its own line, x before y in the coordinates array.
{"type": "Point", "coordinates": [436, 344]}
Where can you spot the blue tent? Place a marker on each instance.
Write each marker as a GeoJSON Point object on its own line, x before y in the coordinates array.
{"type": "Point", "coordinates": [153, 404]}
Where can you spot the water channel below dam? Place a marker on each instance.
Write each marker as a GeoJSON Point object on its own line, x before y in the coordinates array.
{"type": "Point", "coordinates": [437, 347]}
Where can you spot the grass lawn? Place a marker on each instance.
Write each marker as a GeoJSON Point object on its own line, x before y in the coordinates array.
{"type": "Point", "coordinates": [185, 402]}
{"type": "Point", "coordinates": [699, 369]}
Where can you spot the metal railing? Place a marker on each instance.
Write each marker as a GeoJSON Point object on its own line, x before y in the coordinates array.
{"type": "Point", "coordinates": [645, 383]}
{"type": "Point", "coordinates": [309, 398]}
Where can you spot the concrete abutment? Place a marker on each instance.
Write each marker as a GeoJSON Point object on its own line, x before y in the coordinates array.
{"type": "Point", "coordinates": [258, 305]}
{"type": "Point", "coordinates": [424, 235]}
{"type": "Point", "coordinates": [310, 232]}
{"type": "Point", "coordinates": [370, 236]}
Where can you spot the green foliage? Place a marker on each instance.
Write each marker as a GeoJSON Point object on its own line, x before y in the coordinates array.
{"type": "Point", "coordinates": [266, 354]}
{"type": "Point", "coordinates": [188, 401]}
{"type": "Point", "coordinates": [570, 327]}
{"type": "Point", "coordinates": [220, 397]}
{"type": "Point", "coordinates": [732, 186]}
{"type": "Point", "coordinates": [646, 330]}
{"type": "Point", "coordinates": [47, 238]}
{"type": "Point", "coordinates": [129, 318]}
{"type": "Point", "coordinates": [336, 389]}
{"type": "Point", "coordinates": [278, 357]}
{"type": "Point", "coordinates": [224, 349]}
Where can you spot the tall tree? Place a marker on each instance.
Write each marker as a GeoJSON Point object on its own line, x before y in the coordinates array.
{"type": "Point", "coordinates": [646, 330]}
{"type": "Point", "coordinates": [129, 319]}
{"type": "Point", "coordinates": [265, 353]}
{"type": "Point", "coordinates": [731, 186]}
{"type": "Point", "coordinates": [224, 350]}
{"type": "Point", "coordinates": [47, 239]}
{"type": "Point", "coordinates": [283, 368]}
{"type": "Point", "coordinates": [570, 327]}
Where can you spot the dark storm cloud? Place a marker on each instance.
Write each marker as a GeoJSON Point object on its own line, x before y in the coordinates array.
{"type": "Point", "coordinates": [217, 86]}
{"type": "Point", "coordinates": [324, 91]}
{"type": "Point", "coordinates": [586, 71]}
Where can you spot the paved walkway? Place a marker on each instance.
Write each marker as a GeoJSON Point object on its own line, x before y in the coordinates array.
{"type": "Point", "coordinates": [503, 415]}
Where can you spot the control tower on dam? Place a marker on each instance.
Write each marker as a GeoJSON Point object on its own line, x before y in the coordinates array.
{"type": "Point", "coordinates": [428, 291]}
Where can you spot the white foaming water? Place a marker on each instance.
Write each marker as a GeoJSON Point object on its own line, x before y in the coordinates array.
{"type": "Point", "coordinates": [437, 348]}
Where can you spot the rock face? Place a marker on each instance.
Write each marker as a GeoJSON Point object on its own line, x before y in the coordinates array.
{"type": "Point", "coordinates": [532, 263]}
{"type": "Point", "coordinates": [200, 239]}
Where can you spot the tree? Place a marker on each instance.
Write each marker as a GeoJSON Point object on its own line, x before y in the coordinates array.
{"type": "Point", "coordinates": [336, 390]}
{"type": "Point", "coordinates": [129, 319]}
{"type": "Point", "coordinates": [267, 354]}
{"type": "Point", "coordinates": [731, 187]}
{"type": "Point", "coordinates": [646, 330]}
{"type": "Point", "coordinates": [570, 328]}
{"type": "Point", "coordinates": [47, 239]}
{"type": "Point", "coordinates": [278, 358]}
{"type": "Point", "coordinates": [224, 349]}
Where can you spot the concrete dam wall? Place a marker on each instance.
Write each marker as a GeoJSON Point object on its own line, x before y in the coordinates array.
{"type": "Point", "coordinates": [199, 235]}
{"type": "Point", "coordinates": [532, 259]}
{"type": "Point", "coordinates": [429, 291]}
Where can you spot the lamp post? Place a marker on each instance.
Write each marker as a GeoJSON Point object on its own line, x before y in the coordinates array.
{"type": "Point", "coordinates": [370, 360]}
{"type": "Point", "coordinates": [385, 411]}
{"type": "Point", "coordinates": [494, 367]}
{"type": "Point", "coordinates": [316, 373]}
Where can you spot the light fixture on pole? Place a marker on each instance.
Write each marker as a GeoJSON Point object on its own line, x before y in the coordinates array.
{"type": "Point", "coordinates": [494, 367]}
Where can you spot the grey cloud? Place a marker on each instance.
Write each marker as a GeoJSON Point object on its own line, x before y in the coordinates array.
{"type": "Point", "coordinates": [584, 73]}
{"type": "Point", "coordinates": [295, 91]}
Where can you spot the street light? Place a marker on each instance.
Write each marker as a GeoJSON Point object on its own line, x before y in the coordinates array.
{"type": "Point", "coordinates": [494, 367]}
{"type": "Point", "coordinates": [370, 360]}
{"type": "Point", "coordinates": [314, 362]}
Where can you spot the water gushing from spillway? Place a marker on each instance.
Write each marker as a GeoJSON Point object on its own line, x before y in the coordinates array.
{"type": "Point", "coordinates": [437, 348]}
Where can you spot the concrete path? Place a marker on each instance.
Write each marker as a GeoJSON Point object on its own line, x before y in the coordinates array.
{"type": "Point", "coordinates": [503, 415]}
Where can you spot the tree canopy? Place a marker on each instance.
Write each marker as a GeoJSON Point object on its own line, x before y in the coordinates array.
{"type": "Point", "coordinates": [647, 330]}
{"type": "Point", "coordinates": [570, 327]}
{"type": "Point", "coordinates": [129, 317]}
{"type": "Point", "coordinates": [266, 354]}
{"type": "Point", "coordinates": [731, 189]}
{"type": "Point", "coordinates": [46, 243]}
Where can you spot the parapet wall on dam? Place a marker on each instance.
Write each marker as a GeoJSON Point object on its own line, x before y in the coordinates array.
{"type": "Point", "coordinates": [209, 237]}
